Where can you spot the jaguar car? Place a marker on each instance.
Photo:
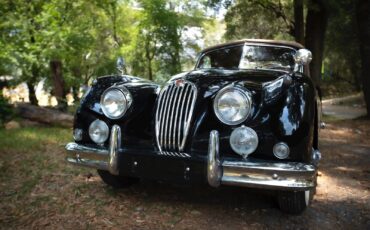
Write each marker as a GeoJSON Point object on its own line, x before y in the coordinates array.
{"type": "Point", "coordinates": [247, 115]}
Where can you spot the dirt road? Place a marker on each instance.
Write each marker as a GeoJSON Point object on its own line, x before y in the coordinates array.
{"type": "Point", "coordinates": [38, 190]}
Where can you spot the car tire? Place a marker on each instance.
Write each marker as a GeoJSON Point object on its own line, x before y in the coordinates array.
{"type": "Point", "coordinates": [295, 202]}
{"type": "Point", "coordinates": [117, 181]}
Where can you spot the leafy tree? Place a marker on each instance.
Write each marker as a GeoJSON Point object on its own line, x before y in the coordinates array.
{"type": "Point", "coordinates": [282, 19]}
{"type": "Point", "coordinates": [341, 49]}
{"type": "Point", "coordinates": [259, 19]}
{"type": "Point", "coordinates": [20, 29]}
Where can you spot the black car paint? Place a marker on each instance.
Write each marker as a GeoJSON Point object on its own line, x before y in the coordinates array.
{"type": "Point", "coordinates": [135, 124]}
{"type": "Point", "coordinates": [290, 118]}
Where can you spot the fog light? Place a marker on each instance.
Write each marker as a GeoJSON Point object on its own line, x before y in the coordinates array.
{"type": "Point", "coordinates": [281, 150]}
{"type": "Point", "coordinates": [98, 131]}
{"type": "Point", "coordinates": [244, 141]}
{"type": "Point", "coordinates": [77, 134]}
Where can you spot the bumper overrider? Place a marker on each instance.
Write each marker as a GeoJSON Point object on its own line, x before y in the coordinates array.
{"type": "Point", "coordinates": [259, 174]}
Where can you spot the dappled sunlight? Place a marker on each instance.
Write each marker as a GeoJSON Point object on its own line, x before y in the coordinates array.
{"type": "Point", "coordinates": [19, 93]}
{"type": "Point", "coordinates": [36, 182]}
{"type": "Point", "coordinates": [339, 188]}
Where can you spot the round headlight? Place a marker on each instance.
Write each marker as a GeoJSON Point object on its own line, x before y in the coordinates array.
{"type": "Point", "coordinates": [98, 131]}
{"type": "Point", "coordinates": [232, 105]}
{"type": "Point", "coordinates": [114, 102]}
{"type": "Point", "coordinates": [244, 141]}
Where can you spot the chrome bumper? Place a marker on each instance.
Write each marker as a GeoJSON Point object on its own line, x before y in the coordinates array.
{"type": "Point", "coordinates": [280, 176]}
{"type": "Point", "coordinates": [98, 158]}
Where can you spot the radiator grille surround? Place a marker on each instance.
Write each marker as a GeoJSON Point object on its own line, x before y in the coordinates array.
{"type": "Point", "coordinates": [174, 114]}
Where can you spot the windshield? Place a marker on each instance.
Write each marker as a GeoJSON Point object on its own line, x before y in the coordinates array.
{"type": "Point", "coordinates": [248, 57]}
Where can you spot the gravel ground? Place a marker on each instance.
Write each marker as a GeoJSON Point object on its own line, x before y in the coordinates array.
{"type": "Point", "coordinates": [67, 197]}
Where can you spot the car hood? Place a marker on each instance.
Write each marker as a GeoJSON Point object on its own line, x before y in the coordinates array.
{"type": "Point", "coordinates": [215, 77]}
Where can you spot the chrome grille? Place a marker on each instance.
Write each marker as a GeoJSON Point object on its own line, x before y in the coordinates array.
{"type": "Point", "coordinates": [173, 116]}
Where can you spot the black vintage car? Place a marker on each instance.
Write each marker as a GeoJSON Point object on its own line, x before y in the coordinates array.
{"type": "Point", "coordinates": [247, 115]}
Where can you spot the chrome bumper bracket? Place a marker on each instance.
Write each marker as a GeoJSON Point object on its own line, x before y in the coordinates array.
{"type": "Point", "coordinates": [98, 158]}
{"type": "Point", "coordinates": [273, 175]}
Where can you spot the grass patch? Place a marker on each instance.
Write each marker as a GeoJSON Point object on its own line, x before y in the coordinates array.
{"type": "Point", "coordinates": [329, 118]}
{"type": "Point", "coordinates": [33, 172]}
{"type": "Point", "coordinates": [33, 138]}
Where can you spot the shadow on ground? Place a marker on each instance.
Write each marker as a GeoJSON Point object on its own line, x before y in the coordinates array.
{"type": "Point", "coordinates": [38, 190]}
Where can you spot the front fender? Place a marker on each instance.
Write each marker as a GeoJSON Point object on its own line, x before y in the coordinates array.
{"type": "Point", "coordinates": [136, 124]}
{"type": "Point", "coordinates": [295, 119]}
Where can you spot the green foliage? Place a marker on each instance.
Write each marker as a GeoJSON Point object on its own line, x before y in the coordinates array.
{"type": "Point", "coordinates": [258, 19]}
{"type": "Point", "coordinates": [87, 37]}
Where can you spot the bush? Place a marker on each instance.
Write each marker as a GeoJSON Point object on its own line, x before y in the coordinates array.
{"type": "Point", "coordinates": [6, 110]}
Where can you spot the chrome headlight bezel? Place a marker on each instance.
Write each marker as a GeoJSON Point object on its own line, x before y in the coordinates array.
{"type": "Point", "coordinates": [126, 96]}
{"type": "Point", "coordinates": [246, 95]}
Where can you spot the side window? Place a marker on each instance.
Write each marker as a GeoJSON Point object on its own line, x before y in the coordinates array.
{"type": "Point", "coordinates": [205, 63]}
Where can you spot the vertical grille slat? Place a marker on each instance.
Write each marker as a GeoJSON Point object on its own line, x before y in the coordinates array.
{"type": "Point", "coordinates": [174, 113]}
{"type": "Point", "coordinates": [162, 112]}
{"type": "Point", "coordinates": [167, 115]}
{"type": "Point", "coordinates": [172, 117]}
{"type": "Point", "coordinates": [176, 119]}
{"type": "Point", "coordinates": [181, 128]}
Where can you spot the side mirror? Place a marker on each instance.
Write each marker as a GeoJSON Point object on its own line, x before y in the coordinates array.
{"type": "Point", "coordinates": [302, 57]}
{"type": "Point", "coordinates": [121, 65]}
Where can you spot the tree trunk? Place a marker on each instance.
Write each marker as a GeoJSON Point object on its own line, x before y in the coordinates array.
{"type": "Point", "coordinates": [44, 115]}
{"type": "Point", "coordinates": [31, 82]}
{"type": "Point", "coordinates": [316, 23]}
{"type": "Point", "coordinates": [363, 22]}
{"type": "Point", "coordinates": [32, 93]}
{"type": "Point", "coordinates": [59, 92]}
{"type": "Point", "coordinates": [76, 87]}
{"type": "Point", "coordinates": [148, 58]}
{"type": "Point", "coordinates": [298, 21]}
{"type": "Point", "coordinates": [75, 92]}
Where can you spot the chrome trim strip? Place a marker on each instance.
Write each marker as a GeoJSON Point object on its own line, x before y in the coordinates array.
{"type": "Point", "coordinates": [166, 136]}
{"type": "Point", "coordinates": [214, 169]}
{"type": "Point", "coordinates": [162, 121]}
{"type": "Point", "coordinates": [268, 183]}
{"type": "Point", "coordinates": [172, 119]}
{"type": "Point", "coordinates": [241, 44]}
{"type": "Point", "coordinates": [174, 154]}
{"type": "Point", "coordinates": [181, 115]}
{"type": "Point", "coordinates": [158, 117]}
{"type": "Point", "coordinates": [177, 122]}
{"type": "Point", "coordinates": [114, 146]}
{"type": "Point", "coordinates": [74, 147]}
{"type": "Point", "coordinates": [189, 114]}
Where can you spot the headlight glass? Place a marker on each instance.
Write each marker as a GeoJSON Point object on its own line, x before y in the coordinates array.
{"type": "Point", "coordinates": [244, 141]}
{"type": "Point", "coordinates": [113, 103]}
{"type": "Point", "coordinates": [98, 131]}
{"type": "Point", "coordinates": [281, 150]}
{"type": "Point", "coordinates": [232, 105]}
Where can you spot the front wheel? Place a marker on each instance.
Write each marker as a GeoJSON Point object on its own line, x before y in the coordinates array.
{"type": "Point", "coordinates": [117, 181]}
{"type": "Point", "coordinates": [295, 202]}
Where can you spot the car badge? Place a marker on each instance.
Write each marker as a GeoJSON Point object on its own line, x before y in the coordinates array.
{"type": "Point", "coordinates": [179, 82]}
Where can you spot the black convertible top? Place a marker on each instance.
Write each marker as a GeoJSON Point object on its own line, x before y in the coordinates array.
{"type": "Point", "coordinates": [257, 41]}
